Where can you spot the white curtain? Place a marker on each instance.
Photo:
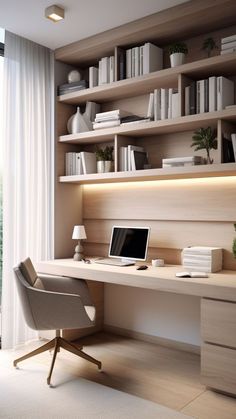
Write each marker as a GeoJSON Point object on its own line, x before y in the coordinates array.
{"type": "Point", "coordinates": [27, 171]}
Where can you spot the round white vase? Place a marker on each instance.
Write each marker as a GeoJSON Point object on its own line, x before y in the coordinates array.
{"type": "Point", "coordinates": [178, 58]}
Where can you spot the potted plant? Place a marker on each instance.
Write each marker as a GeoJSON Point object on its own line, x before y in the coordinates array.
{"type": "Point", "coordinates": [208, 46]}
{"type": "Point", "coordinates": [234, 243]}
{"type": "Point", "coordinates": [177, 52]}
{"type": "Point", "coordinates": [104, 159]}
{"type": "Point", "coordinates": [205, 139]}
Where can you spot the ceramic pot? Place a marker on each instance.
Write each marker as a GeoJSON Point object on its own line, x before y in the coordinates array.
{"type": "Point", "coordinates": [105, 166]}
{"type": "Point", "coordinates": [78, 123]}
{"type": "Point", "coordinates": [178, 58]}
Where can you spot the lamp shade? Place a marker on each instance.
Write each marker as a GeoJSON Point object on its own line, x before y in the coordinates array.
{"type": "Point", "coordinates": [79, 233]}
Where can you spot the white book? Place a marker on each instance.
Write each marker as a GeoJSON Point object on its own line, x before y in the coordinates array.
{"type": "Point", "coordinates": [228, 39]}
{"type": "Point", "coordinates": [227, 51]}
{"type": "Point", "coordinates": [133, 62]}
{"type": "Point", "coordinates": [212, 94]}
{"type": "Point", "coordinates": [187, 101]}
{"type": "Point", "coordinates": [228, 45]}
{"type": "Point", "coordinates": [182, 159]}
{"type": "Point", "coordinates": [111, 69]}
{"type": "Point", "coordinates": [88, 162]}
{"type": "Point", "coordinates": [100, 72]}
{"type": "Point", "coordinates": [125, 159]}
{"type": "Point", "coordinates": [105, 70]}
{"type": "Point", "coordinates": [69, 163]}
{"type": "Point", "coordinates": [78, 164]}
{"type": "Point", "coordinates": [233, 136]}
{"type": "Point", "coordinates": [150, 111]}
{"type": "Point", "coordinates": [93, 76]}
{"type": "Point", "coordinates": [157, 104]}
{"type": "Point", "coordinates": [175, 105]}
{"type": "Point", "coordinates": [225, 93]}
{"type": "Point", "coordinates": [106, 124]}
{"type": "Point", "coordinates": [198, 96]}
{"type": "Point", "coordinates": [115, 112]}
{"type": "Point", "coordinates": [136, 61]}
{"type": "Point", "coordinates": [122, 159]}
{"type": "Point", "coordinates": [129, 149]}
{"type": "Point", "coordinates": [141, 60]}
{"type": "Point", "coordinates": [164, 103]}
{"type": "Point", "coordinates": [128, 63]}
{"type": "Point", "coordinates": [152, 58]}
{"type": "Point", "coordinates": [202, 250]}
{"type": "Point", "coordinates": [170, 93]}
{"type": "Point", "coordinates": [202, 96]}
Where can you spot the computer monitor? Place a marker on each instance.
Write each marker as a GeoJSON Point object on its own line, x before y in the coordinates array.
{"type": "Point", "coordinates": [129, 243]}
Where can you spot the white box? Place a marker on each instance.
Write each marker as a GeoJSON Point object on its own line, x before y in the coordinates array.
{"type": "Point", "coordinates": [201, 258]}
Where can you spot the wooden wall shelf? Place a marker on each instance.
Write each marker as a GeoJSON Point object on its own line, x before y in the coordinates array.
{"type": "Point", "coordinates": [214, 170]}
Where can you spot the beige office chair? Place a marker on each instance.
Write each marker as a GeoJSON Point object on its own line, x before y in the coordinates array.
{"type": "Point", "coordinates": [54, 303]}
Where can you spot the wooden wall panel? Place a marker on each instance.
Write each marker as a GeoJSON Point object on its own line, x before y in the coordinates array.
{"type": "Point", "coordinates": [187, 200]}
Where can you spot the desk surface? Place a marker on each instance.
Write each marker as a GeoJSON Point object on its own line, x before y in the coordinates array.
{"type": "Point", "coordinates": [221, 285]}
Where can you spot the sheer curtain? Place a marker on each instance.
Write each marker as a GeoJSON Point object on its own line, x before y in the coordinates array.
{"type": "Point", "coordinates": [27, 171]}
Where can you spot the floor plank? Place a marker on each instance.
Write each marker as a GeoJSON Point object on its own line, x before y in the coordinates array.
{"type": "Point", "coordinates": [211, 405]}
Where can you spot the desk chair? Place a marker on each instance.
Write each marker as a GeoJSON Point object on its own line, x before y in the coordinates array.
{"type": "Point", "coordinates": [54, 303]}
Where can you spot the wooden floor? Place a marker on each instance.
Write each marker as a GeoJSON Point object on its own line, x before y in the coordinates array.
{"type": "Point", "coordinates": [166, 376]}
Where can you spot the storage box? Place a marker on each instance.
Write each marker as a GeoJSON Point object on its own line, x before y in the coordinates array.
{"type": "Point", "coordinates": [203, 259]}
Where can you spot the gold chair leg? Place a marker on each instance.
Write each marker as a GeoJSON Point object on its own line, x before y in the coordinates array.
{"type": "Point", "coordinates": [72, 348]}
{"type": "Point", "coordinates": [57, 345]}
{"type": "Point", "coordinates": [43, 348]}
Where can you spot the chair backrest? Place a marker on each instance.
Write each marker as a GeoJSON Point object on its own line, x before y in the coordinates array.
{"type": "Point", "coordinates": [23, 286]}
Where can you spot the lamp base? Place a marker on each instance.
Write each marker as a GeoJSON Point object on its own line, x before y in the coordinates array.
{"type": "Point", "coordinates": [78, 256]}
{"type": "Point", "coordinates": [78, 252]}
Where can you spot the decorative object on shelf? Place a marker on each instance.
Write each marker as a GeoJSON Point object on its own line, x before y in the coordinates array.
{"type": "Point", "coordinates": [234, 243]}
{"type": "Point", "coordinates": [79, 234]}
{"type": "Point", "coordinates": [177, 52]}
{"type": "Point", "coordinates": [208, 45]}
{"type": "Point", "coordinates": [104, 159]}
{"type": "Point", "coordinates": [205, 139]}
{"type": "Point", "coordinates": [158, 263]}
{"type": "Point", "coordinates": [73, 76]}
{"type": "Point", "coordinates": [79, 122]}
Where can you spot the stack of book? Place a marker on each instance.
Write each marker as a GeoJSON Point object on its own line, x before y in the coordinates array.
{"type": "Point", "coordinates": [105, 73]}
{"type": "Point", "coordinates": [182, 161]}
{"type": "Point", "coordinates": [132, 158]}
{"type": "Point", "coordinates": [209, 95]}
{"type": "Point", "coordinates": [80, 163]}
{"type": "Point", "coordinates": [143, 60]}
{"type": "Point", "coordinates": [228, 44]}
{"type": "Point", "coordinates": [72, 87]}
{"type": "Point", "coordinates": [108, 119]}
{"type": "Point", "coordinates": [203, 259]}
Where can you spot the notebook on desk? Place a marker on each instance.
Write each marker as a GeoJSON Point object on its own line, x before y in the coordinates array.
{"type": "Point", "coordinates": [127, 245]}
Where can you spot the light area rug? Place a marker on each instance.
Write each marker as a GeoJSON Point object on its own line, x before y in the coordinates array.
{"type": "Point", "coordinates": [24, 394]}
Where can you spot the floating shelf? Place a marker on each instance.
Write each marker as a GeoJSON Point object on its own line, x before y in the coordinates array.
{"type": "Point", "coordinates": [213, 170]}
{"type": "Point", "coordinates": [214, 66]}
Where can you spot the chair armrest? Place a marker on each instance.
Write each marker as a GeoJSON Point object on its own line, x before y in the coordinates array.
{"type": "Point", "coordinates": [66, 285]}
{"type": "Point", "coordinates": [54, 310]}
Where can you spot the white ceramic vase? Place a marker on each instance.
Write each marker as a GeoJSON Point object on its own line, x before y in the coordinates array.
{"type": "Point", "coordinates": [79, 123]}
{"type": "Point", "coordinates": [105, 166]}
{"type": "Point", "coordinates": [178, 58]}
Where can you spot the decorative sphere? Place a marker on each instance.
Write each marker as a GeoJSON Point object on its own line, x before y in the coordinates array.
{"type": "Point", "coordinates": [73, 76]}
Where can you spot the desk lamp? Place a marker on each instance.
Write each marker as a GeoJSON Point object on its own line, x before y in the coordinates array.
{"type": "Point", "coordinates": [79, 234]}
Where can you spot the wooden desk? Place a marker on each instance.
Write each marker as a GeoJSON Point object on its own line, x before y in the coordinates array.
{"type": "Point", "coordinates": [218, 307]}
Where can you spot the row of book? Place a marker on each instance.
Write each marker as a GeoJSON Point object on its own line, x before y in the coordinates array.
{"type": "Point", "coordinates": [143, 59]}
{"type": "Point", "coordinates": [133, 158]}
{"type": "Point", "coordinates": [209, 95]}
{"type": "Point", "coordinates": [228, 44]}
{"type": "Point", "coordinates": [201, 258]}
{"type": "Point", "coordinates": [104, 73]}
{"type": "Point", "coordinates": [80, 163]}
{"type": "Point", "coordinates": [163, 104]}
{"type": "Point", "coordinates": [182, 161]}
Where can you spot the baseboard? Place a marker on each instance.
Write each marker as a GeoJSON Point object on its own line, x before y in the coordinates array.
{"type": "Point", "coordinates": [169, 343]}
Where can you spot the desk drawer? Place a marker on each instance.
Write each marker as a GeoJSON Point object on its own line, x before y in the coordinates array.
{"type": "Point", "coordinates": [218, 368]}
{"type": "Point", "coordinates": [218, 322]}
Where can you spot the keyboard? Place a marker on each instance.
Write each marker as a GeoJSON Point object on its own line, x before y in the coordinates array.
{"type": "Point", "coordinates": [110, 261]}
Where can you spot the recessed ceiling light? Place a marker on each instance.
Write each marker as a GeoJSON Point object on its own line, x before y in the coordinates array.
{"type": "Point", "coordinates": [54, 13]}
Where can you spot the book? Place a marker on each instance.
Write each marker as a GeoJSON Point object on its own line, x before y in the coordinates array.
{"type": "Point", "coordinates": [128, 63]}
{"type": "Point", "coordinates": [138, 121]}
{"type": "Point", "coordinates": [175, 105]}
{"type": "Point", "coordinates": [187, 274]}
{"type": "Point", "coordinates": [193, 98]}
{"type": "Point", "coordinates": [93, 77]}
{"type": "Point", "coordinates": [212, 94]}
{"type": "Point", "coordinates": [106, 124]}
{"type": "Point", "coordinates": [138, 159]}
{"type": "Point", "coordinates": [136, 61]}
{"type": "Point", "coordinates": [203, 96]}
{"type": "Point", "coordinates": [227, 51]}
{"type": "Point", "coordinates": [187, 100]}
{"type": "Point", "coordinates": [188, 159]}
{"type": "Point", "coordinates": [157, 104]}
{"type": "Point", "coordinates": [129, 149]}
{"type": "Point", "coordinates": [228, 39]}
{"type": "Point", "coordinates": [150, 111]}
{"type": "Point", "coordinates": [233, 137]}
{"type": "Point", "coordinates": [152, 58]}
{"type": "Point", "coordinates": [72, 87]}
{"type": "Point", "coordinates": [111, 69]}
{"type": "Point", "coordinates": [133, 62]}
{"type": "Point", "coordinates": [198, 96]}
{"type": "Point", "coordinates": [164, 103]}
{"type": "Point", "coordinates": [170, 94]}
{"type": "Point", "coordinates": [227, 45]}
{"type": "Point", "coordinates": [225, 92]}
{"type": "Point", "coordinates": [89, 164]}
{"type": "Point", "coordinates": [122, 159]}
{"type": "Point", "coordinates": [141, 60]}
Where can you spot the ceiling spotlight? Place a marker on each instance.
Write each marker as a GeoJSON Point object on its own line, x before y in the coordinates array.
{"type": "Point", "coordinates": [54, 13]}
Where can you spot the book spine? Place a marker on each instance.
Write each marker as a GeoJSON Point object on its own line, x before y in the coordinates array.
{"type": "Point", "coordinates": [212, 94]}
{"type": "Point", "coordinates": [150, 112]}
{"type": "Point", "coordinates": [100, 72]}
{"type": "Point", "coordinates": [170, 93]}
{"type": "Point", "coordinates": [228, 39]}
{"type": "Point", "coordinates": [133, 62]}
{"type": "Point", "coordinates": [187, 101]}
{"type": "Point", "coordinates": [193, 98]}
{"type": "Point", "coordinates": [111, 69]}
{"type": "Point", "coordinates": [136, 61]}
{"type": "Point", "coordinates": [128, 63]}
{"type": "Point", "coordinates": [157, 104]}
{"type": "Point", "coordinates": [198, 96]}
{"type": "Point", "coordinates": [227, 51]}
{"type": "Point", "coordinates": [141, 60]}
{"type": "Point", "coordinates": [219, 94]}
{"type": "Point", "coordinates": [164, 104]}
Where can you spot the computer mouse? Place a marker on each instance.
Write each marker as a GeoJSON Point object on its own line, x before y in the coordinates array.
{"type": "Point", "coordinates": [142, 268]}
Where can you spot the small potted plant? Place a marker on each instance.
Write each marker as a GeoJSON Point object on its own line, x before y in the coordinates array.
{"type": "Point", "coordinates": [234, 243]}
{"type": "Point", "coordinates": [177, 52]}
{"type": "Point", "coordinates": [205, 139]}
{"type": "Point", "coordinates": [104, 159]}
{"type": "Point", "coordinates": [208, 46]}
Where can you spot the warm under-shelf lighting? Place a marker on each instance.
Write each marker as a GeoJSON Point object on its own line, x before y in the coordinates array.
{"type": "Point", "coordinates": [54, 13]}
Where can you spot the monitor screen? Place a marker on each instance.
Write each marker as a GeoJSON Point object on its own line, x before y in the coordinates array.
{"type": "Point", "coordinates": [129, 242]}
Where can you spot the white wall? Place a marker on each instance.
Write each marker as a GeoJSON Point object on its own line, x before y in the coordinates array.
{"type": "Point", "coordinates": [166, 315]}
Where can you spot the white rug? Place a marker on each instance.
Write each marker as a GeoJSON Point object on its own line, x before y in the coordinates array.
{"type": "Point", "coordinates": [24, 394]}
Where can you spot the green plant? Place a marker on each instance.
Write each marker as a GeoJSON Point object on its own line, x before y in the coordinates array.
{"type": "Point", "coordinates": [104, 154]}
{"type": "Point", "coordinates": [178, 47]}
{"type": "Point", "coordinates": [234, 243]}
{"type": "Point", "coordinates": [208, 46]}
{"type": "Point", "coordinates": [205, 139]}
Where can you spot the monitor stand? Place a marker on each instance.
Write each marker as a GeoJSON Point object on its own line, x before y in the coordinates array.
{"type": "Point", "coordinates": [128, 262]}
